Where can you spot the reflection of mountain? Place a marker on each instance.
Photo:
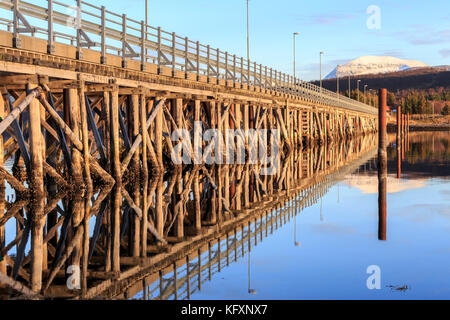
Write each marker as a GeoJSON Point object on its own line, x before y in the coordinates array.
{"type": "Point", "coordinates": [368, 184]}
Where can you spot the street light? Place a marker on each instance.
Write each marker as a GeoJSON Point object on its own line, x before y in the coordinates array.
{"type": "Point", "coordinates": [357, 88]}
{"type": "Point", "coordinates": [321, 53]}
{"type": "Point", "coordinates": [365, 86]}
{"type": "Point", "coordinates": [248, 35]}
{"type": "Point", "coordinates": [349, 89]}
{"type": "Point", "coordinates": [337, 79]}
{"type": "Point", "coordinates": [146, 27]}
{"type": "Point", "coordinates": [295, 34]}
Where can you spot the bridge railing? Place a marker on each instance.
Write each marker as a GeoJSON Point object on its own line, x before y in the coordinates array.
{"type": "Point", "coordinates": [85, 25]}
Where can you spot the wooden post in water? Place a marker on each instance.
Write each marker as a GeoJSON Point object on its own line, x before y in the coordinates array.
{"type": "Point", "coordinates": [116, 199]}
{"type": "Point", "coordinates": [399, 142]}
{"type": "Point", "coordinates": [159, 203]}
{"type": "Point", "coordinates": [135, 167]}
{"type": "Point", "coordinates": [2, 191]}
{"type": "Point", "coordinates": [382, 163]}
{"type": "Point", "coordinates": [73, 108]}
{"type": "Point", "coordinates": [144, 174]}
{"type": "Point", "coordinates": [85, 136]}
{"type": "Point", "coordinates": [37, 187]}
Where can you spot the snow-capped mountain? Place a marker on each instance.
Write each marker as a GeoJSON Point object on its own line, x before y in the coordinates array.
{"type": "Point", "coordinates": [374, 65]}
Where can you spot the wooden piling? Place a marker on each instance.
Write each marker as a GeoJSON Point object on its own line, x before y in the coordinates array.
{"type": "Point", "coordinates": [37, 185]}
{"type": "Point", "coordinates": [2, 190]}
{"type": "Point", "coordinates": [382, 164]}
{"type": "Point", "coordinates": [85, 137]}
{"type": "Point", "coordinates": [399, 141]}
{"type": "Point", "coordinates": [136, 188]}
{"type": "Point", "coordinates": [73, 109]}
{"type": "Point", "coordinates": [116, 197]}
{"type": "Point", "coordinates": [144, 174]}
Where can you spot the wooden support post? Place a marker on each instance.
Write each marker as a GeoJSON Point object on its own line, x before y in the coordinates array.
{"type": "Point", "coordinates": [159, 136]}
{"type": "Point", "coordinates": [2, 190]}
{"type": "Point", "coordinates": [179, 224]}
{"type": "Point", "coordinates": [144, 176]}
{"type": "Point", "coordinates": [136, 236]}
{"type": "Point", "coordinates": [246, 125]}
{"type": "Point", "coordinates": [197, 156]}
{"type": "Point", "coordinates": [71, 112]}
{"type": "Point", "coordinates": [178, 115]}
{"type": "Point", "coordinates": [382, 164]}
{"type": "Point", "coordinates": [85, 136]}
{"type": "Point", "coordinates": [37, 185]}
{"type": "Point", "coordinates": [116, 198]}
{"type": "Point", "coordinates": [159, 203]}
{"type": "Point", "coordinates": [197, 199]}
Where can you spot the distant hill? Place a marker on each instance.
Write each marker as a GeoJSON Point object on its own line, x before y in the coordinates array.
{"type": "Point", "coordinates": [374, 65]}
{"type": "Point", "coordinates": [415, 78]}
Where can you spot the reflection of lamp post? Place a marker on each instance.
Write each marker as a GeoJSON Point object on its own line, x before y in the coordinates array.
{"type": "Point", "coordinates": [296, 243]}
{"type": "Point", "coordinates": [321, 211]}
{"type": "Point", "coordinates": [250, 290]}
{"type": "Point", "coordinates": [338, 193]}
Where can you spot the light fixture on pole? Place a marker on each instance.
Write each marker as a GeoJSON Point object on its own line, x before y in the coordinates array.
{"type": "Point", "coordinates": [295, 34]}
{"type": "Point", "coordinates": [321, 53]}
{"type": "Point", "coordinates": [357, 88]}
{"type": "Point", "coordinates": [349, 89]}
{"type": "Point", "coordinates": [146, 28]}
{"type": "Point", "coordinates": [337, 79]}
{"type": "Point", "coordinates": [365, 86]}
{"type": "Point", "coordinates": [248, 35]}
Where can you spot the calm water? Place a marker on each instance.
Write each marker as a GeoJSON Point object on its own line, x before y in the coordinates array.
{"type": "Point", "coordinates": [324, 251]}
{"type": "Point", "coordinates": [320, 243]}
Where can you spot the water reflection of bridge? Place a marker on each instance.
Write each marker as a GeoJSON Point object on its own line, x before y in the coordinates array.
{"type": "Point", "coordinates": [215, 213]}
{"type": "Point", "coordinates": [183, 275]}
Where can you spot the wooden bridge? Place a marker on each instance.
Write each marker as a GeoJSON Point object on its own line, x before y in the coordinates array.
{"type": "Point", "coordinates": [89, 105]}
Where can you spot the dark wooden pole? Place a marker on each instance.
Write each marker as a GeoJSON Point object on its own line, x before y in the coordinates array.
{"type": "Point", "coordinates": [399, 142]}
{"type": "Point", "coordinates": [382, 164]}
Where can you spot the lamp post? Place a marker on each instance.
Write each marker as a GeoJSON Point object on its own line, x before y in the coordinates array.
{"type": "Point", "coordinates": [337, 79]}
{"type": "Point", "coordinates": [146, 28]}
{"type": "Point", "coordinates": [248, 35]}
{"type": "Point", "coordinates": [349, 89]}
{"type": "Point", "coordinates": [357, 88]}
{"type": "Point", "coordinates": [321, 53]}
{"type": "Point", "coordinates": [295, 34]}
{"type": "Point", "coordinates": [365, 99]}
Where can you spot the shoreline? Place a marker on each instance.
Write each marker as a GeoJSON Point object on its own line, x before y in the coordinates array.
{"type": "Point", "coordinates": [392, 128]}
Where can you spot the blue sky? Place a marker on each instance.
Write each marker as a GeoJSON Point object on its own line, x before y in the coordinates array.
{"type": "Point", "coordinates": [414, 29]}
